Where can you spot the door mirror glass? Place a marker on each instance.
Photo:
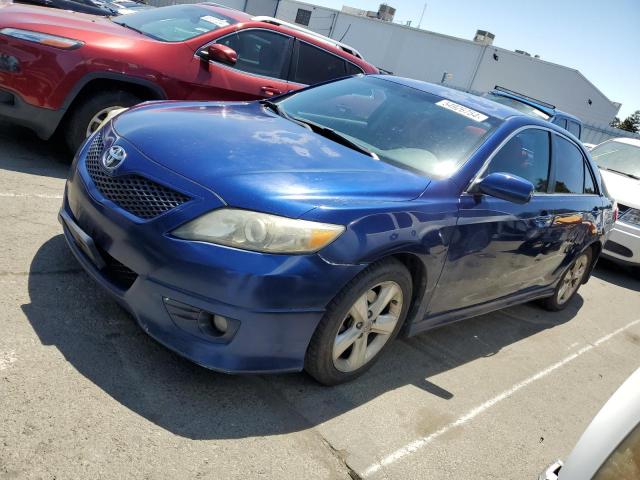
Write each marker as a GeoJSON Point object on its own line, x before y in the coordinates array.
{"type": "Point", "coordinates": [220, 53]}
{"type": "Point", "coordinates": [506, 187]}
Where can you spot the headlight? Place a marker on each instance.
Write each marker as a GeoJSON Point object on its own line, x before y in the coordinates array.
{"type": "Point", "coordinates": [631, 216]}
{"type": "Point", "coordinates": [260, 232]}
{"type": "Point", "coordinates": [42, 38]}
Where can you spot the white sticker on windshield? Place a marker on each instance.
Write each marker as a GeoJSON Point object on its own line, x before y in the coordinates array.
{"type": "Point", "coordinates": [462, 110]}
{"type": "Point", "coordinates": [218, 22]}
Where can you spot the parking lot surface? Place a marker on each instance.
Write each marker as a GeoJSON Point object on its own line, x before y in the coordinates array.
{"type": "Point", "coordinates": [84, 393]}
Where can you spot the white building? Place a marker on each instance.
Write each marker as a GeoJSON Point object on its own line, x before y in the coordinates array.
{"type": "Point", "coordinates": [430, 56]}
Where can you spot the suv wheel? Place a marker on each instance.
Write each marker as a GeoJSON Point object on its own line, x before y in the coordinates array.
{"type": "Point", "coordinates": [359, 323]}
{"type": "Point", "coordinates": [87, 116]}
{"type": "Point", "coordinates": [569, 283]}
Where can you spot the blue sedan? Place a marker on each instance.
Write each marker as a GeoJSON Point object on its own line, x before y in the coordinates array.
{"type": "Point", "coordinates": [307, 231]}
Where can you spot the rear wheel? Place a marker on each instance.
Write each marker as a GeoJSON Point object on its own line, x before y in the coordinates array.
{"type": "Point", "coordinates": [569, 283]}
{"type": "Point", "coordinates": [360, 323]}
{"type": "Point", "coordinates": [87, 116]}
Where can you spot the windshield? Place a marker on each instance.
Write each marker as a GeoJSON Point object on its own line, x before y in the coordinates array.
{"type": "Point", "coordinates": [618, 156]}
{"type": "Point", "coordinates": [518, 105]}
{"type": "Point", "coordinates": [175, 23]}
{"type": "Point", "coordinates": [401, 125]}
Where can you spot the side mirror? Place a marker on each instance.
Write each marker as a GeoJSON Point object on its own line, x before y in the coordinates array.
{"type": "Point", "coordinates": [507, 187]}
{"type": "Point", "coordinates": [219, 53]}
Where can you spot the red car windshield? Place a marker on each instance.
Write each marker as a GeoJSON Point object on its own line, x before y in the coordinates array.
{"type": "Point", "coordinates": [176, 23]}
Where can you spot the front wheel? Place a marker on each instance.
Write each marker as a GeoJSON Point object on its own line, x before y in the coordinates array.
{"type": "Point", "coordinates": [360, 323]}
{"type": "Point", "coordinates": [569, 283]}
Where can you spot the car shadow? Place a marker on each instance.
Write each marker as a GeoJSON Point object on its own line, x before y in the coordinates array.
{"type": "Point", "coordinates": [102, 342]}
{"type": "Point", "coordinates": [616, 274]}
{"type": "Point", "coordinates": [22, 151]}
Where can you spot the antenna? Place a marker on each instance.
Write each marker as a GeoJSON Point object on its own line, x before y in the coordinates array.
{"type": "Point", "coordinates": [422, 15]}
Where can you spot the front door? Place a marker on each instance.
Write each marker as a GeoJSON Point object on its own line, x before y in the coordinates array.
{"type": "Point", "coordinates": [264, 57]}
{"type": "Point", "coordinates": [498, 247]}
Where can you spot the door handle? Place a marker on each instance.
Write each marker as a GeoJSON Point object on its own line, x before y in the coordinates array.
{"type": "Point", "coordinates": [270, 91]}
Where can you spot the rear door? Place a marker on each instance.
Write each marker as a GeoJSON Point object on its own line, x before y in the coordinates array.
{"type": "Point", "coordinates": [578, 208]}
{"type": "Point", "coordinates": [498, 247]}
{"type": "Point", "coordinates": [264, 58]}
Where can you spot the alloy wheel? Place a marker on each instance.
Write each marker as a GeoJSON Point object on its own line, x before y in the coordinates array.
{"type": "Point", "coordinates": [368, 325]}
{"type": "Point", "coordinates": [572, 279]}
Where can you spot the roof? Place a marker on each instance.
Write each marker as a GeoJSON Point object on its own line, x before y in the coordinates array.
{"type": "Point", "coordinates": [311, 33]}
{"type": "Point", "coordinates": [469, 100]}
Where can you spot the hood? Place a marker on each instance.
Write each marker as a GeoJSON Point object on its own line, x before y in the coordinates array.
{"type": "Point", "coordinates": [624, 190]}
{"type": "Point", "coordinates": [80, 26]}
{"type": "Point", "coordinates": [253, 158]}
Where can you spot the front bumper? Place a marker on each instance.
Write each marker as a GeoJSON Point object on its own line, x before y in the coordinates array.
{"type": "Point", "coordinates": [623, 244]}
{"type": "Point", "coordinates": [275, 300]}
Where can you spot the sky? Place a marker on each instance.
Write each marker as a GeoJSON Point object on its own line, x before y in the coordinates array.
{"type": "Point", "coordinates": [601, 38]}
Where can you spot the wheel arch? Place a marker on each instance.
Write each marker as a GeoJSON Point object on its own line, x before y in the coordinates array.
{"type": "Point", "coordinates": [596, 249]}
{"type": "Point", "coordinates": [101, 81]}
{"type": "Point", "coordinates": [418, 271]}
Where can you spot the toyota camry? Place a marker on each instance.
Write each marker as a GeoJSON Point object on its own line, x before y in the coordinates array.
{"type": "Point", "coordinates": [308, 230]}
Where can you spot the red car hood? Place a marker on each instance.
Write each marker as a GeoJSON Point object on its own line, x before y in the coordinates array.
{"type": "Point", "coordinates": [79, 26]}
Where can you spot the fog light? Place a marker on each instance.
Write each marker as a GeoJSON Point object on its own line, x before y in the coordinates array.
{"type": "Point", "coordinates": [220, 323]}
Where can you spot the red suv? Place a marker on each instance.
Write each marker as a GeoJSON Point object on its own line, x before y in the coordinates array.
{"type": "Point", "coordinates": [67, 70]}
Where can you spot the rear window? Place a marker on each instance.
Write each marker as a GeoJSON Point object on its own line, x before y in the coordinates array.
{"type": "Point", "coordinates": [176, 23]}
{"type": "Point", "coordinates": [314, 65]}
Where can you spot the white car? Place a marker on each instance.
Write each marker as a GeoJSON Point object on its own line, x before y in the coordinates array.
{"type": "Point", "coordinates": [619, 162]}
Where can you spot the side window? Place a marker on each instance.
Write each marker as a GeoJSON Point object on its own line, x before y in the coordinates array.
{"type": "Point", "coordinates": [570, 167]}
{"type": "Point", "coordinates": [562, 122]}
{"type": "Point", "coordinates": [260, 52]}
{"type": "Point", "coordinates": [314, 65]}
{"type": "Point", "coordinates": [589, 185]}
{"type": "Point", "coordinates": [525, 155]}
{"type": "Point", "coordinates": [574, 128]}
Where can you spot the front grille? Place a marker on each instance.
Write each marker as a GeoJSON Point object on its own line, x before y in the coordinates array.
{"type": "Point", "coordinates": [135, 194]}
{"type": "Point", "coordinates": [117, 273]}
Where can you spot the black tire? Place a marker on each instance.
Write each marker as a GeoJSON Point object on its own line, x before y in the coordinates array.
{"type": "Point", "coordinates": [553, 303]}
{"type": "Point", "coordinates": [319, 357]}
{"type": "Point", "coordinates": [75, 127]}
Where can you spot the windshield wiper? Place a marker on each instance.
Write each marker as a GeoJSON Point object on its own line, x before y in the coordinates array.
{"type": "Point", "coordinates": [630, 175]}
{"type": "Point", "coordinates": [335, 136]}
{"type": "Point", "coordinates": [134, 29]}
{"type": "Point", "coordinates": [273, 106]}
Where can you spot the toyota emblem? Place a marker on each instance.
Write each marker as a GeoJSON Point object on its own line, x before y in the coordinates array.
{"type": "Point", "coordinates": [113, 158]}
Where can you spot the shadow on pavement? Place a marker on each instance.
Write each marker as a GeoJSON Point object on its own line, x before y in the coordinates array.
{"type": "Point", "coordinates": [22, 151]}
{"type": "Point", "coordinates": [102, 342]}
{"type": "Point", "coordinates": [619, 275]}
